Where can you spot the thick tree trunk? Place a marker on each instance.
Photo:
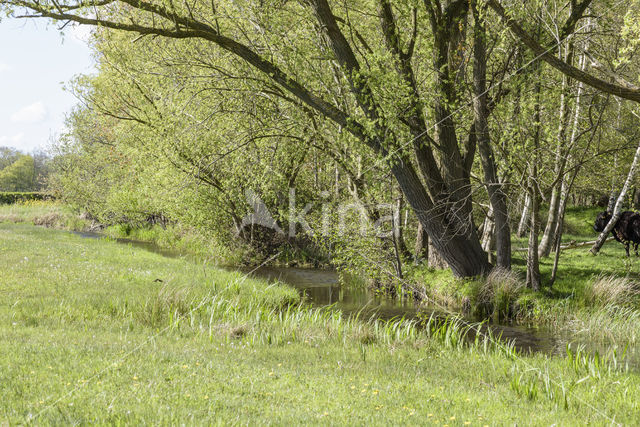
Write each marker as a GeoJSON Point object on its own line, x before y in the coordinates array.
{"type": "Point", "coordinates": [447, 216]}
{"type": "Point", "coordinates": [436, 262]}
{"type": "Point", "coordinates": [452, 234]}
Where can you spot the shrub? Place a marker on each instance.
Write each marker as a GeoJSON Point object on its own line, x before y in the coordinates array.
{"type": "Point", "coordinates": [49, 220]}
{"type": "Point", "coordinates": [9, 198]}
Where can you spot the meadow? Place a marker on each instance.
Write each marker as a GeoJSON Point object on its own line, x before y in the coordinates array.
{"type": "Point", "coordinates": [99, 332]}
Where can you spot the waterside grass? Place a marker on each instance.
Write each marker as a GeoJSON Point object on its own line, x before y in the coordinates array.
{"type": "Point", "coordinates": [596, 297]}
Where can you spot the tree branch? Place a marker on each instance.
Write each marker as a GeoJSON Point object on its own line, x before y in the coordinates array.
{"type": "Point", "coordinates": [190, 28]}
{"type": "Point", "coordinates": [558, 64]}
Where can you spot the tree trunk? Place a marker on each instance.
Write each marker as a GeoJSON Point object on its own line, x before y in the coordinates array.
{"type": "Point", "coordinates": [422, 244]}
{"type": "Point", "coordinates": [548, 236]}
{"type": "Point", "coordinates": [453, 235]}
{"type": "Point", "coordinates": [399, 231]}
{"type": "Point", "coordinates": [435, 260]}
{"type": "Point", "coordinates": [552, 221]}
{"type": "Point", "coordinates": [488, 228]}
{"type": "Point", "coordinates": [524, 218]}
{"type": "Point", "coordinates": [447, 216]}
{"type": "Point", "coordinates": [564, 195]}
{"type": "Point", "coordinates": [488, 234]}
{"type": "Point", "coordinates": [636, 199]}
{"type": "Point", "coordinates": [481, 112]}
{"type": "Point", "coordinates": [613, 194]}
{"type": "Point", "coordinates": [395, 236]}
{"type": "Point", "coordinates": [533, 262]}
{"type": "Point", "coordinates": [613, 197]}
{"type": "Point", "coordinates": [567, 184]}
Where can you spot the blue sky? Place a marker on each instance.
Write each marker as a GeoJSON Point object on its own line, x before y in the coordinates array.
{"type": "Point", "coordinates": [35, 63]}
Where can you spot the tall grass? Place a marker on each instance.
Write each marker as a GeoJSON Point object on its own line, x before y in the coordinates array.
{"type": "Point", "coordinates": [47, 213]}
{"type": "Point", "coordinates": [611, 323]}
{"type": "Point", "coordinates": [612, 290]}
{"type": "Point", "coordinates": [499, 293]}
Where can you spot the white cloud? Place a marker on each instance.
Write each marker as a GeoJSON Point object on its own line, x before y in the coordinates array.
{"type": "Point", "coordinates": [4, 67]}
{"type": "Point", "coordinates": [15, 139]}
{"type": "Point", "coordinates": [33, 113]}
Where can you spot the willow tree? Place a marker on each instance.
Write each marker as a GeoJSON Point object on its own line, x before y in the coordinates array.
{"type": "Point", "coordinates": [280, 39]}
{"type": "Point", "coordinates": [396, 92]}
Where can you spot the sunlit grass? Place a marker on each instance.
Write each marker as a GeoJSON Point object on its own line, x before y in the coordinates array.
{"type": "Point", "coordinates": [97, 332]}
{"type": "Point", "coordinates": [45, 213]}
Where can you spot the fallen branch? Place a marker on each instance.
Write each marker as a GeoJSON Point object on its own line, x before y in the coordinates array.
{"type": "Point", "coordinates": [571, 245]}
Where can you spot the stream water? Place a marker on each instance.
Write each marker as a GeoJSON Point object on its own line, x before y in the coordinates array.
{"type": "Point", "coordinates": [322, 287]}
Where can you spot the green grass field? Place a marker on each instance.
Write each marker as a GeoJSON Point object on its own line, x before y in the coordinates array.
{"type": "Point", "coordinates": [98, 332]}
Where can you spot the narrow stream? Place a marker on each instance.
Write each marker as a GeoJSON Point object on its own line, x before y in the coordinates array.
{"type": "Point", "coordinates": [322, 287]}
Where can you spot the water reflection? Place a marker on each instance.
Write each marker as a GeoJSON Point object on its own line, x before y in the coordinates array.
{"type": "Point", "coordinates": [323, 288]}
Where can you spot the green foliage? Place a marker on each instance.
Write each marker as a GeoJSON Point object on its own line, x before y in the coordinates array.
{"type": "Point", "coordinates": [8, 156]}
{"type": "Point", "coordinates": [163, 135]}
{"type": "Point", "coordinates": [579, 221]}
{"type": "Point", "coordinates": [19, 176]}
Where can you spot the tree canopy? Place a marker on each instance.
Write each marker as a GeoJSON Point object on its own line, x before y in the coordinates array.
{"type": "Point", "coordinates": [463, 112]}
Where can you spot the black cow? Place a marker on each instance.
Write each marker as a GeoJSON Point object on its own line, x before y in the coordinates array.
{"type": "Point", "coordinates": [626, 230]}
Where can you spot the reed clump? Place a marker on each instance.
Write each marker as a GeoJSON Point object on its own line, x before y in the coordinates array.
{"type": "Point", "coordinates": [612, 290]}
{"type": "Point", "coordinates": [500, 291]}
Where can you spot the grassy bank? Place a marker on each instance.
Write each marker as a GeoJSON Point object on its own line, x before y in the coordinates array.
{"type": "Point", "coordinates": [56, 215]}
{"type": "Point", "coordinates": [595, 296]}
{"type": "Point", "coordinates": [47, 213]}
{"type": "Point", "coordinates": [93, 331]}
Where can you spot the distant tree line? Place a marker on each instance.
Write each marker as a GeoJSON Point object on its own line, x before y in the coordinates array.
{"type": "Point", "coordinates": [22, 172]}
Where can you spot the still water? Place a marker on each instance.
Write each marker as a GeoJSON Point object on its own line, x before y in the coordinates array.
{"type": "Point", "coordinates": [323, 288]}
